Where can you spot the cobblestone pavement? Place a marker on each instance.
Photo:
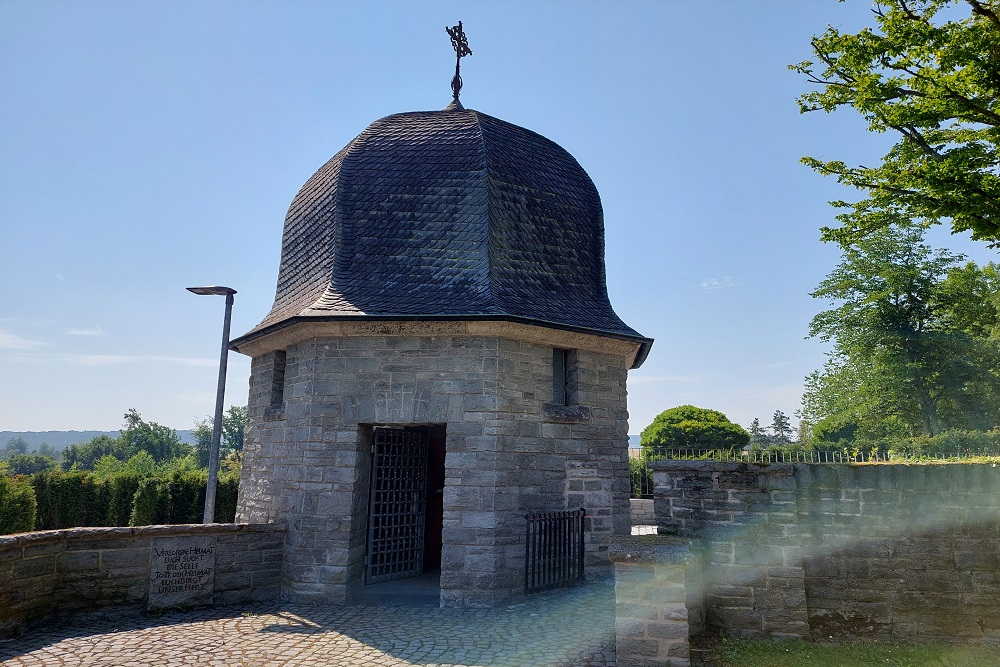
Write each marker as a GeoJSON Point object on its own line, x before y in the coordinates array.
{"type": "Point", "coordinates": [570, 628]}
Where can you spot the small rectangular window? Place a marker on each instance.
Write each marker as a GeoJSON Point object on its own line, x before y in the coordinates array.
{"type": "Point", "coordinates": [278, 380]}
{"type": "Point", "coordinates": [559, 375]}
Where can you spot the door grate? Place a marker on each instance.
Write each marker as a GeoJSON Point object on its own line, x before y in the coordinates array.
{"type": "Point", "coordinates": [397, 505]}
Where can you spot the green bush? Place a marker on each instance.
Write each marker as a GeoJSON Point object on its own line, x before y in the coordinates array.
{"type": "Point", "coordinates": [17, 505]}
{"type": "Point", "coordinates": [690, 427]}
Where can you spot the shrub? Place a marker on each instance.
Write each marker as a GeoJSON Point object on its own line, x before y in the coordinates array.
{"type": "Point", "coordinates": [17, 505]}
{"type": "Point", "coordinates": [121, 493]}
{"type": "Point", "coordinates": [57, 499]}
{"type": "Point", "coordinates": [147, 506]}
{"type": "Point", "coordinates": [67, 500]}
{"type": "Point", "coordinates": [690, 427]}
{"type": "Point", "coordinates": [225, 498]}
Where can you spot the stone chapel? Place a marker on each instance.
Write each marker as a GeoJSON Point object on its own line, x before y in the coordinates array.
{"type": "Point", "coordinates": [440, 360]}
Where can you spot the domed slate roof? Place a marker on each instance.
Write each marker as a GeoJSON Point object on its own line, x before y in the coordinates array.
{"type": "Point", "coordinates": [452, 215]}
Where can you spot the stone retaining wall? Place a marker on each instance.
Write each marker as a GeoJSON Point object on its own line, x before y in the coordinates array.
{"type": "Point", "coordinates": [658, 601]}
{"type": "Point", "coordinates": [77, 569]}
{"type": "Point", "coordinates": [905, 551]}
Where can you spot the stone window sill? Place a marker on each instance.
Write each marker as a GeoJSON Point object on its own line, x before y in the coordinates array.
{"type": "Point", "coordinates": [274, 414]}
{"type": "Point", "coordinates": [565, 414]}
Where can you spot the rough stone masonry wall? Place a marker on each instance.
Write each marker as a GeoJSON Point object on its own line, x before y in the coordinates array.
{"type": "Point", "coordinates": [642, 512]}
{"type": "Point", "coordinates": [563, 457]}
{"type": "Point", "coordinates": [658, 600]}
{"type": "Point", "coordinates": [82, 569]}
{"type": "Point", "coordinates": [908, 551]}
{"type": "Point", "coordinates": [508, 451]}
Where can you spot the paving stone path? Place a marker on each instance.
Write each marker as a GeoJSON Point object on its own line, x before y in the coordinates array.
{"type": "Point", "coordinates": [572, 628]}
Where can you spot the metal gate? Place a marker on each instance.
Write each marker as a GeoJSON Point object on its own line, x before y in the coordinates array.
{"type": "Point", "coordinates": [554, 549]}
{"type": "Point", "coordinates": [397, 504]}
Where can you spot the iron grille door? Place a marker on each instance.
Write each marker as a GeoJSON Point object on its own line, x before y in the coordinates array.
{"type": "Point", "coordinates": [397, 505]}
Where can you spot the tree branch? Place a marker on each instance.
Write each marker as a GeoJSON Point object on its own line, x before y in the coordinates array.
{"type": "Point", "coordinates": [980, 9]}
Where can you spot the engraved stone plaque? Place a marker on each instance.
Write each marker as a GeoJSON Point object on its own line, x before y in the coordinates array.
{"type": "Point", "coordinates": [181, 572]}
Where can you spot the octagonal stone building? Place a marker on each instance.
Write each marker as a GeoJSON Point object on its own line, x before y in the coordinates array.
{"type": "Point", "coordinates": [440, 360]}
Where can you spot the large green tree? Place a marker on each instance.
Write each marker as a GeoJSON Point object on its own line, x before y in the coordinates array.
{"type": "Point", "coordinates": [161, 442]}
{"type": "Point", "coordinates": [929, 72]}
{"type": "Point", "coordinates": [13, 447]}
{"type": "Point", "coordinates": [690, 427]}
{"type": "Point", "coordinates": [911, 344]}
{"type": "Point", "coordinates": [136, 435]}
{"type": "Point", "coordinates": [234, 423]}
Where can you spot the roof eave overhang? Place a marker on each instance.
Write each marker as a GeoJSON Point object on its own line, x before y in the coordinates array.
{"type": "Point", "coordinates": [644, 344]}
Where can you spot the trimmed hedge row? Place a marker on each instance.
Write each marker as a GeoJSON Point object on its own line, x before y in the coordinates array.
{"type": "Point", "coordinates": [52, 499]}
{"type": "Point", "coordinates": [17, 506]}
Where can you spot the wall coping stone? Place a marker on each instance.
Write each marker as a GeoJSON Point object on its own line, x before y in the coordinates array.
{"type": "Point", "coordinates": [43, 536]}
{"type": "Point", "coordinates": [650, 549]}
{"type": "Point", "coordinates": [708, 466]}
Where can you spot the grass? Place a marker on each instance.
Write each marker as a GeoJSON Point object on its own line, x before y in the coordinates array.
{"type": "Point", "coordinates": [795, 653]}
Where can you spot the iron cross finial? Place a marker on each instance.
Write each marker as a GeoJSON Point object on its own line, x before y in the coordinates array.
{"type": "Point", "coordinates": [461, 46]}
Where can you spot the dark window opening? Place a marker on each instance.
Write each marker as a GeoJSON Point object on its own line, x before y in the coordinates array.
{"type": "Point", "coordinates": [278, 380]}
{"type": "Point", "coordinates": [564, 377]}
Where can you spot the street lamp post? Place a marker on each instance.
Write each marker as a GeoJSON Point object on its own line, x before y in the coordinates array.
{"type": "Point", "coordinates": [213, 457]}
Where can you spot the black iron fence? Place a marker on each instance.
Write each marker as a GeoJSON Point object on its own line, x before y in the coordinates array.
{"type": "Point", "coordinates": [641, 476]}
{"type": "Point", "coordinates": [554, 549]}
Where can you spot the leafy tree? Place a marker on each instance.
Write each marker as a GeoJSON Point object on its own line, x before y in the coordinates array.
{"type": "Point", "coordinates": [932, 78]}
{"type": "Point", "coordinates": [14, 446]}
{"type": "Point", "coordinates": [140, 464]}
{"type": "Point", "coordinates": [233, 424]}
{"type": "Point", "coordinates": [781, 428]}
{"type": "Point", "coordinates": [906, 353]}
{"type": "Point", "coordinates": [161, 442]}
{"type": "Point", "coordinates": [137, 435]}
{"type": "Point", "coordinates": [689, 427]}
{"type": "Point", "coordinates": [29, 464]}
{"type": "Point", "coordinates": [202, 434]}
{"type": "Point", "coordinates": [84, 456]}
{"type": "Point", "coordinates": [107, 467]}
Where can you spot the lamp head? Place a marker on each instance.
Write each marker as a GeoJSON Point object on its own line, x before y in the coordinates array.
{"type": "Point", "coordinates": [213, 290]}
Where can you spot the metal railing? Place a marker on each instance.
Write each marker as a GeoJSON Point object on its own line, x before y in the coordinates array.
{"type": "Point", "coordinates": [641, 477]}
{"type": "Point", "coordinates": [554, 549]}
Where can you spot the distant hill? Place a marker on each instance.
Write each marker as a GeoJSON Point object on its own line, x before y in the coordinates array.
{"type": "Point", "coordinates": [63, 439]}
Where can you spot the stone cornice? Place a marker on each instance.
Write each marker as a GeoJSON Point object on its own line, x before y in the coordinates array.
{"type": "Point", "coordinates": [296, 332]}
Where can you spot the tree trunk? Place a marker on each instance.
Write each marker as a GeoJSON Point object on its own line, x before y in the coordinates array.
{"type": "Point", "coordinates": [929, 423]}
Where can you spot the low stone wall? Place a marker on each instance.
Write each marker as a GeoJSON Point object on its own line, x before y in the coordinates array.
{"type": "Point", "coordinates": [658, 601]}
{"type": "Point", "coordinates": [905, 551]}
{"type": "Point", "coordinates": [77, 569]}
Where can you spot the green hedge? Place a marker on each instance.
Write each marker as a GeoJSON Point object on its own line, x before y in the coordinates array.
{"type": "Point", "coordinates": [17, 505]}
{"type": "Point", "coordinates": [79, 498]}
{"type": "Point", "coordinates": [945, 444]}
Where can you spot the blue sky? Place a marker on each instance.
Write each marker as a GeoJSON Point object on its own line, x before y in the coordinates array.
{"type": "Point", "coordinates": [147, 147]}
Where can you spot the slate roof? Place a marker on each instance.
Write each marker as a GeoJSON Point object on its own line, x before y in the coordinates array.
{"type": "Point", "coordinates": [449, 214]}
